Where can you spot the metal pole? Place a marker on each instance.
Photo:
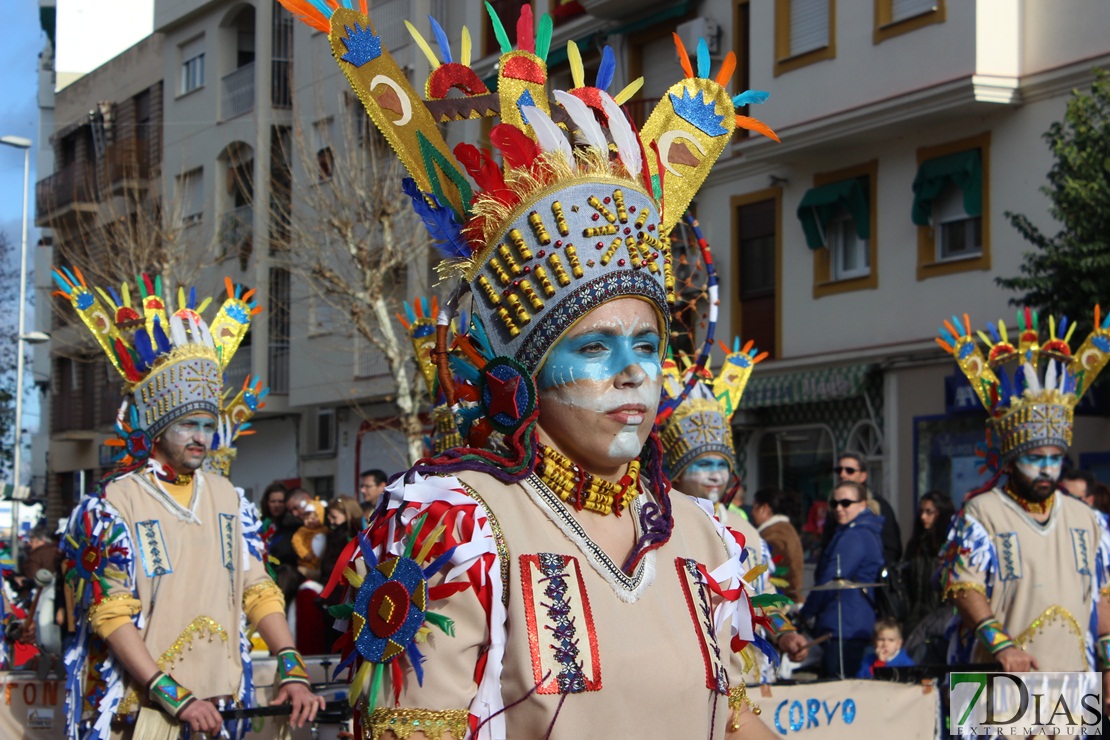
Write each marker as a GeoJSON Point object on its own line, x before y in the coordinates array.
{"type": "Point", "coordinates": [839, 622]}
{"type": "Point", "coordinates": [18, 459]}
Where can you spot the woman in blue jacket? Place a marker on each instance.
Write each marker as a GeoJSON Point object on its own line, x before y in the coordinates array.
{"type": "Point", "coordinates": [854, 553]}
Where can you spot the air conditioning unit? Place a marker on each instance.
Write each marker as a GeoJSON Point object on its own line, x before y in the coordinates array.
{"type": "Point", "coordinates": [700, 28]}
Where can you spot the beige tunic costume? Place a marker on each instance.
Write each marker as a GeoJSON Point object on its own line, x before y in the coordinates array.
{"type": "Point", "coordinates": [1042, 580]}
{"type": "Point", "coordinates": [582, 647]}
{"type": "Point", "coordinates": [192, 575]}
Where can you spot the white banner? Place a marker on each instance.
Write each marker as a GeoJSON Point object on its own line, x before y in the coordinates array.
{"type": "Point", "coordinates": [865, 709]}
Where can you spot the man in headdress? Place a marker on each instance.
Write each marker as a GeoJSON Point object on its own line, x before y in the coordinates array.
{"type": "Point", "coordinates": [165, 558]}
{"type": "Point", "coordinates": [1025, 565]}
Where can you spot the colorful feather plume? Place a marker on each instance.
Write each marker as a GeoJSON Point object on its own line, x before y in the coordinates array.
{"type": "Point", "coordinates": [439, 221]}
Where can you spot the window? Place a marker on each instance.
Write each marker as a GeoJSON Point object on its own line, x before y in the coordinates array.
{"type": "Point", "coordinates": [896, 17]}
{"type": "Point", "coordinates": [757, 250]}
{"type": "Point", "coordinates": [280, 298]}
{"type": "Point", "coordinates": [839, 220]}
{"type": "Point", "coordinates": [323, 137]}
{"type": "Point", "coordinates": [805, 32]}
{"type": "Point", "coordinates": [190, 196]}
{"type": "Point", "coordinates": [324, 441]}
{"type": "Point", "coordinates": [192, 65]}
{"type": "Point", "coordinates": [951, 207]}
{"type": "Point", "coordinates": [323, 487]}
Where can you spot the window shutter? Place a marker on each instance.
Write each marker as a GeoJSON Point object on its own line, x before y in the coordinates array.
{"type": "Point", "coordinates": [900, 10]}
{"type": "Point", "coordinates": [809, 25]}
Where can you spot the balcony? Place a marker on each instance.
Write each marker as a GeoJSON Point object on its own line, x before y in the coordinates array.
{"type": "Point", "coordinates": [70, 188]}
{"type": "Point", "coordinates": [281, 84]}
{"type": "Point", "coordinates": [237, 93]}
{"type": "Point", "coordinates": [127, 161]}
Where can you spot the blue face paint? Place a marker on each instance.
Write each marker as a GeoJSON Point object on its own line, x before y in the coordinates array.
{"type": "Point", "coordinates": [709, 464]}
{"type": "Point", "coordinates": [598, 356]}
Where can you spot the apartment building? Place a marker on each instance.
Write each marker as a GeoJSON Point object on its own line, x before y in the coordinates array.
{"type": "Point", "coordinates": [827, 259]}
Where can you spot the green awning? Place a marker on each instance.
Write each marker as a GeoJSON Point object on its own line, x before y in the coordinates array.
{"type": "Point", "coordinates": [821, 205]}
{"type": "Point", "coordinates": [962, 169]}
{"type": "Point", "coordinates": [807, 386]}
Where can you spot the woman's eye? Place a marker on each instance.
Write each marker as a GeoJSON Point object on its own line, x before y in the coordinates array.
{"type": "Point", "coordinates": [592, 348]}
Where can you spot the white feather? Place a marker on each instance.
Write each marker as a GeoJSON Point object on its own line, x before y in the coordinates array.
{"type": "Point", "coordinates": [584, 119]}
{"type": "Point", "coordinates": [194, 331]}
{"type": "Point", "coordinates": [177, 331]}
{"type": "Point", "coordinates": [206, 335]}
{"type": "Point", "coordinates": [549, 136]}
{"type": "Point", "coordinates": [628, 147]}
{"type": "Point", "coordinates": [1032, 382]}
{"type": "Point", "coordinates": [1050, 376]}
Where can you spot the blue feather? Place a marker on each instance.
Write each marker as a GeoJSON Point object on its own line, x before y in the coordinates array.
{"type": "Point", "coordinates": [441, 40]}
{"type": "Point", "coordinates": [115, 296]}
{"type": "Point", "coordinates": [144, 349]}
{"type": "Point", "coordinates": [750, 97]}
{"type": "Point", "coordinates": [606, 69]}
{"type": "Point", "coordinates": [993, 331]}
{"type": "Point", "coordinates": [1062, 329]}
{"type": "Point", "coordinates": [439, 221]}
{"type": "Point", "coordinates": [463, 369]}
{"type": "Point", "coordinates": [1005, 388]}
{"type": "Point", "coordinates": [703, 58]}
{"type": "Point", "coordinates": [160, 337]}
{"type": "Point", "coordinates": [478, 336]}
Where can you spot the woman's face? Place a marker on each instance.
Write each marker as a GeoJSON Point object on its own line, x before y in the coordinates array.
{"type": "Point", "coordinates": [275, 504]}
{"type": "Point", "coordinates": [336, 517]}
{"type": "Point", "coordinates": [928, 514]}
{"type": "Point", "coordinates": [853, 508]}
{"type": "Point", "coordinates": [706, 477]}
{"type": "Point", "coordinates": [600, 384]}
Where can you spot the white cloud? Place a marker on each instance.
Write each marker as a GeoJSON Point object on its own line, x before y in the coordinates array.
{"type": "Point", "coordinates": [88, 34]}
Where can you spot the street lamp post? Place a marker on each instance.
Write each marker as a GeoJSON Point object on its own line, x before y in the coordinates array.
{"type": "Point", "coordinates": [25, 144]}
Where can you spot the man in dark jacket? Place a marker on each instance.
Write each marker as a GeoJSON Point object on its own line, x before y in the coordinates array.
{"type": "Point", "coordinates": [855, 554]}
{"type": "Point", "coordinates": [851, 466]}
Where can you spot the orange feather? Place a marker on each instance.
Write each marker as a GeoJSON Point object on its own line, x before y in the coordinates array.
{"type": "Point", "coordinates": [727, 68]}
{"type": "Point", "coordinates": [755, 125]}
{"type": "Point", "coordinates": [683, 56]}
{"type": "Point", "coordinates": [308, 14]}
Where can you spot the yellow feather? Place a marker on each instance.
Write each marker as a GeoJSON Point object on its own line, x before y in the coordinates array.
{"type": "Point", "coordinates": [353, 578]}
{"type": "Point", "coordinates": [577, 73]}
{"type": "Point", "coordinates": [464, 55]}
{"type": "Point", "coordinates": [419, 39]}
{"type": "Point", "coordinates": [180, 296]}
{"type": "Point", "coordinates": [1002, 330]}
{"type": "Point", "coordinates": [204, 304]}
{"type": "Point", "coordinates": [629, 90]}
{"type": "Point", "coordinates": [359, 683]}
{"type": "Point", "coordinates": [428, 543]}
{"type": "Point", "coordinates": [126, 290]}
{"type": "Point", "coordinates": [755, 572]}
{"type": "Point", "coordinates": [986, 340]}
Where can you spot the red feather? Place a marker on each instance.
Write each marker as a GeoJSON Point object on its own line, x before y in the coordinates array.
{"type": "Point", "coordinates": [525, 40]}
{"type": "Point", "coordinates": [126, 362]}
{"type": "Point", "coordinates": [480, 166]}
{"type": "Point", "coordinates": [516, 147]}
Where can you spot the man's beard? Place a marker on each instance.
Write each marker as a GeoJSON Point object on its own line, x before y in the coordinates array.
{"type": "Point", "coordinates": [1028, 488]}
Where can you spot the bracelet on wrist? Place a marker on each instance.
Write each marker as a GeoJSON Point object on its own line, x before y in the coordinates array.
{"type": "Point", "coordinates": [291, 668]}
{"type": "Point", "coordinates": [168, 694]}
{"type": "Point", "coordinates": [1102, 652]}
{"type": "Point", "coordinates": [993, 636]}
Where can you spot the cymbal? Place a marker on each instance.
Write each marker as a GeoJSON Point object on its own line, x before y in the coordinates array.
{"type": "Point", "coordinates": [842, 584]}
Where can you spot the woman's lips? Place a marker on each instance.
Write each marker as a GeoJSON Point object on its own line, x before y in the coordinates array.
{"type": "Point", "coordinates": [630, 414]}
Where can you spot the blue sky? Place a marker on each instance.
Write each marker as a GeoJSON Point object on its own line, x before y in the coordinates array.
{"type": "Point", "coordinates": [21, 40]}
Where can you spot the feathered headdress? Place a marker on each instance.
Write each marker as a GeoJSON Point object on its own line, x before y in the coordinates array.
{"type": "Point", "coordinates": [578, 211]}
{"type": "Point", "coordinates": [1034, 404]}
{"type": "Point", "coordinates": [172, 363]}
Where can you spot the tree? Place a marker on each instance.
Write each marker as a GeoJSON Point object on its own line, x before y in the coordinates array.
{"type": "Point", "coordinates": [9, 328]}
{"type": "Point", "coordinates": [356, 243]}
{"type": "Point", "coordinates": [1070, 272]}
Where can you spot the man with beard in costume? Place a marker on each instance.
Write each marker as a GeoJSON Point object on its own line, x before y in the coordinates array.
{"type": "Point", "coordinates": [1025, 565]}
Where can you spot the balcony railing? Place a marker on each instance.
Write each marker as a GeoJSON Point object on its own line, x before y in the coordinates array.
{"type": "Point", "coordinates": [71, 184]}
{"type": "Point", "coordinates": [235, 226]}
{"type": "Point", "coordinates": [237, 92]}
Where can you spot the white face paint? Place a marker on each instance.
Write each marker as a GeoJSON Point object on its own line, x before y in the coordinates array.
{"type": "Point", "coordinates": [600, 384]}
{"type": "Point", "coordinates": [706, 477]}
{"type": "Point", "coordinates": [1040, 469]}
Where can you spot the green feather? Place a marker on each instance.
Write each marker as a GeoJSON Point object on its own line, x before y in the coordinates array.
{"type": "Point", "coordinates": [444, 623]}
{"type": "Point", "coordinates": [765, 600]}
{"type": "Point", "coordinates": [499, 30]}
{"type": "Point", "coordinates": [543, 36]}
{"type": "Point", "coordinates": [341, 611]}
{"type": "Point", "coordinates": [416, 527]}
{"type": "Point", "coordinates": [375, 685]}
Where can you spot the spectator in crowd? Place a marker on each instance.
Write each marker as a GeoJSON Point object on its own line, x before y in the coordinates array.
{"type": "Point", "coordinates": [294, 500]}
{"type": "Point", "coordinates": [367, 512]}
{"type": "Point", "coordinates": [930, 529]}
{"type": "Point", "coordinates": [371, 485]}
{"type": "Point", "coordinates": [1102, 498]}
{"type": "Point", "coordinates": [273, 504]}
{"type": "Point", "coordinates": [1079, 483]}
{"type": "Point", "coordinates": [344, 521]}
{"type": "Point", "coordinates": [773, 512]}
{"type": "Point", "coordinates": [309, 541]}
{"type": "Point", "coordinates": [886, 649]}
{"type": "Point", "coordinates": [42, 553]}
{"type": "Point", "coordinates": [851, 466]}
{"type": "Point", "coordinates": [854, 553]}
{"type": "Point", "coordinates": [813, 530]}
